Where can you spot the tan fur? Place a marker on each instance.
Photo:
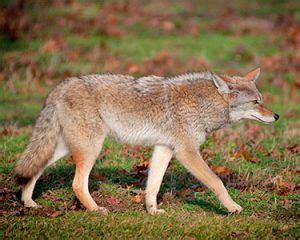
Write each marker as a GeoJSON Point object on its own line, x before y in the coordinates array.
{"type": "Point", "coordinates": [174, 114]}
{"type": "Point", "coordinates": [253, 75]}
{"type": "Point", "coordinates": [263, 110]}
{"type": "Point", "coordinates": [35, 158]}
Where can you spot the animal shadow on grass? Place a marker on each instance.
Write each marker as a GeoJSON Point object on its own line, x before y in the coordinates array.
{"type": "Point", "coordinates": [61, 177]}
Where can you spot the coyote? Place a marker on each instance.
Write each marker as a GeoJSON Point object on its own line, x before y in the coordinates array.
{"type": "Point", "coordinates": [173, 114]}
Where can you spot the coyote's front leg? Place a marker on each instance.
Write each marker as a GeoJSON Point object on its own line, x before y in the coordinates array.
{"type": "Point", "coordinates": [193, 161]}
{"type": "Point", "coordinates": [158, 165]}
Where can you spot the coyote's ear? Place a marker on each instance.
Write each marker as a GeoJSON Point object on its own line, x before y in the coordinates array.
{"type": "Point", "coordinates": [253, 75]}
{"type": "Point", "coordinates": [221, 84]}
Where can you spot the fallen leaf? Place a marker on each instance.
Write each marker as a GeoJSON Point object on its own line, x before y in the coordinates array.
{"type": "Point", "coordinates": [297, 83]}
{"type": "Point", "coordinates": [222, 170]}
{"type": "Point", "coordinates": [184, 192]}
{"type": "Point", "coordinates": [237, 154]}
{"type": "Point", "coordinates": [239, 235]}
{"type": "Point", "coordinates": [168, 26]}
{"type": "Point", "coordinates": [99, 176]}
{"type": "Point", "coordinates": [7, 195]}
{"type": "Point", "coordinates": [246, 154]}
{"type": "Point", "coordinates": [168, 198]}
{"type": "Point", "coordinates": [56, 214]}
{"type": "Point", "coordinates": [133, 69]}
{"type": "Point", "coordinates": [286, 204]}
{"type": "Point", "coordinates": [51, 196]}
{"type": "Point", "coordinates": [139, 198]}
{"type": "Point", "coordinates": [298, 170]}
{"type": "Point", "coordinates": [52, 45]}
{"type": "Point", "coordinates": [7, 131]}
{"type": "Point", "coordinates": [294, 149]}
{"type": "Point", "coordinates": [113, 201]}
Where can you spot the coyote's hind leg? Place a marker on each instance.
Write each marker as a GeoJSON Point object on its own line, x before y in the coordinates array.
{"type": "Point", "coordinates": [84, 155]}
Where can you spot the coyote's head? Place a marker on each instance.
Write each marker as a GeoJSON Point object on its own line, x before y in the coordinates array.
{"type": "Point", "coordinates": [244, 99]}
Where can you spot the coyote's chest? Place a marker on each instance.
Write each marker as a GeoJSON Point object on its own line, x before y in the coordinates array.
{"type": "Point", "coordinates": [137, 133]}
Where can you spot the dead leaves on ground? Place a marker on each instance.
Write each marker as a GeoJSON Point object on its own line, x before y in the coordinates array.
{"type": "Point", "coordinates": [7, 195]}
{"type": "Point", "coordinates": [222, 170]}
{"type": "Point", "coordinates": [138, 174]}
{"type": "Point", "coordinates": [9, 131]}
{"type": "Point", "coordinates": [134, 199]}
{"type": "Point", "coordinates": [165, 63]}
{"type": "Point", "coordinates": [53, 45]}
{"type": "Point", "coordinates": [50, 195]}
{"type": "Point", "coordinates": [241, 181]}
{"type": "Point", "coordinates": [294, 149]}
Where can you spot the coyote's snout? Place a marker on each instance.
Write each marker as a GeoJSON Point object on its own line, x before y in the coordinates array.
{"type": "Point", "coordinates": [262, 114]}
{"type": "Point", "coordinates": [173, 114]}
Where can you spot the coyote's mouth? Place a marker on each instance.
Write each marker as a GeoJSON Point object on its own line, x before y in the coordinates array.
{"type": "Point", "coordinates": [259, 119]}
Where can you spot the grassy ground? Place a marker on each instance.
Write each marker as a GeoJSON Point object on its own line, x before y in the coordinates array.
{"type": "Point", "coordinates": [257, 163]}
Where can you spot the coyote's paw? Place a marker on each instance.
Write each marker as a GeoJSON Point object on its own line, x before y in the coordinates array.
{"type": "Point", "coordinates": [102, 210]}
{"type": "Point", "coordinates": [31, 204]}
{"type": "Point", "coordinates": [155, 211]}
{"type": "Point", "coordinates": [234, 208]}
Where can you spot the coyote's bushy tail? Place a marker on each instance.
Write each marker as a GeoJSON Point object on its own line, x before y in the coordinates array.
{"type": "Point", "coordinates": [41, 145]}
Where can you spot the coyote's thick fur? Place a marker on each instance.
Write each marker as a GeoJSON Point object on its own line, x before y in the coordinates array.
{"type": "Point", "coordinates": [173, 114]}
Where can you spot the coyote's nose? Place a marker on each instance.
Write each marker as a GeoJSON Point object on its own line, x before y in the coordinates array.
{"type": "Point", "coordinates": [276, 116]}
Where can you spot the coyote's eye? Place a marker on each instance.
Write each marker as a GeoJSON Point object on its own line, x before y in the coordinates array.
{"type": "Point", "coordinates": [255, 102]}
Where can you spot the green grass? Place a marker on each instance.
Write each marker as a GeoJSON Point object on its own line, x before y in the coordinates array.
{"type": "Point", "coordinates": [263, 188]}
{"type": "Point", "coordinates": [179, 223]}
{"type": "Point", "coordinates": [198, 215]}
